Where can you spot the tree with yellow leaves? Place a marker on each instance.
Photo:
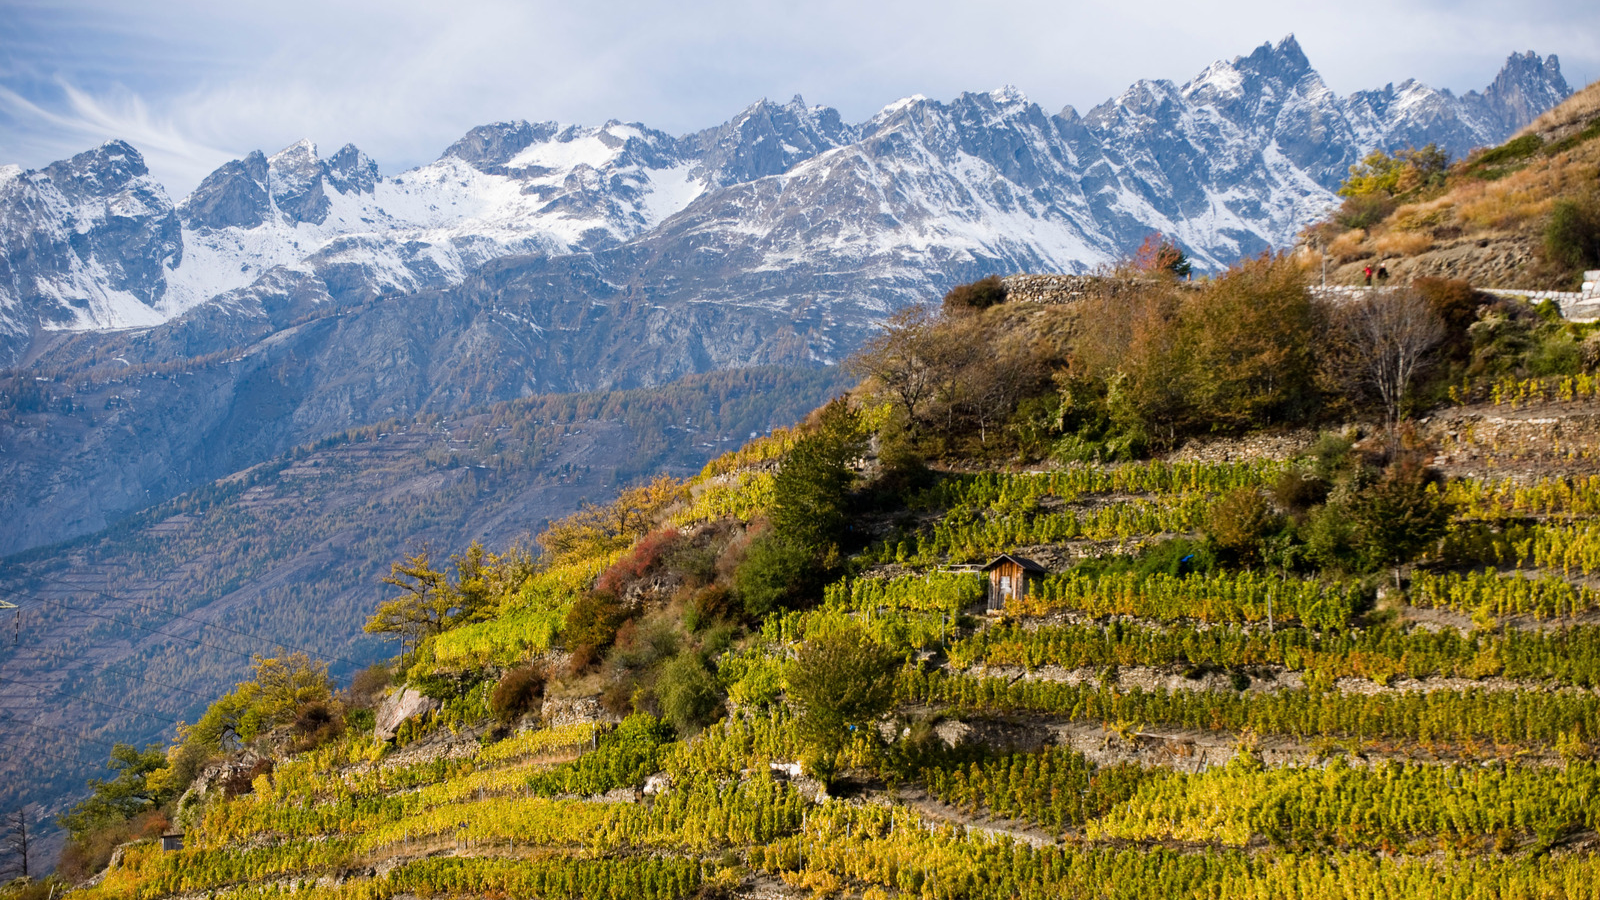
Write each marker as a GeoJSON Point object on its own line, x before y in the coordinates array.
{"type": "Point", "coordinates": [430, 601]}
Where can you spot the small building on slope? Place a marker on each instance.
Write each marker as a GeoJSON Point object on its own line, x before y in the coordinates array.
{"type": "Point", "coordinates": [1009, 578]}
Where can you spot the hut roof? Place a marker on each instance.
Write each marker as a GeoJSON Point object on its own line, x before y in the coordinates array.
{"type": "Point", "coordinates": [1027, 565]}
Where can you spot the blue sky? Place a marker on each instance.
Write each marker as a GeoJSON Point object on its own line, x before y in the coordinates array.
{"type": "Point", "coordinates": [193, 83]}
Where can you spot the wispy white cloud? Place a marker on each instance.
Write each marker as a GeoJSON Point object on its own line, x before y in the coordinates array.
{"type": "Point", "coordinates": [86, 120]}
{"type": "Point", "coordinates": [194, 81]}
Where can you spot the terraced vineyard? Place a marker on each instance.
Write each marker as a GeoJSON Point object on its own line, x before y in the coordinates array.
{"type": "Point", "coordinates": [1113, 641]}
{"type": "Point", "coordinates": [1124, 730]}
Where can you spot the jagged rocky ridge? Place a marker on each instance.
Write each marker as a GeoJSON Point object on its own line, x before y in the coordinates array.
{"type": "Point", "coordinates": [924, 193]}
{"type": "Point", "coordinates": [295, 296]}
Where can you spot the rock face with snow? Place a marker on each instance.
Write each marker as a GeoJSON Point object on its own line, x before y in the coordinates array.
{"type": "Point", "coordinates": [539, 257]}
{"type": "Point", "coordinates": [84, 243]}
{"type": "Point", "coordinates": [922, 195]}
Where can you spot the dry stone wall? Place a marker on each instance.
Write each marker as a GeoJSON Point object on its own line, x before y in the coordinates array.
{"type": "Point", "coordinates": [1055, 289]}
{"type": "Point", "coordinates": [1064, 289]}
{"type": "Point", "coordinates": [1578, 306]}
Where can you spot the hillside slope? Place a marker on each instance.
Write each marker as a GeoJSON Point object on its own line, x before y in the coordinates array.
{"type": "Point", "coordinates": [1326, 671]}
{"type": "Point", "coordinates": [166, 608]}
{"type": "Point", "coordinates": [1493, 220]}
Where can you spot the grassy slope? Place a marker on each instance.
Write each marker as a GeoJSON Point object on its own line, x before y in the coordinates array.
{"type": "Point", "coordinates": [1486, 227]}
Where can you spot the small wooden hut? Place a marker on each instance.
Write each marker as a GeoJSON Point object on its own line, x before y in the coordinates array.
{"type": "Point", "coordinates": [1009, 577]}
{"type": "Point", "coordinates": [172, 841]}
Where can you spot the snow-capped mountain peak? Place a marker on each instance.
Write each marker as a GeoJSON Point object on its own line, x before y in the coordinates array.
{"type": "Point", "coordinates": [924, 193]}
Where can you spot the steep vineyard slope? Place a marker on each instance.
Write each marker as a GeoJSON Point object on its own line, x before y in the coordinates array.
{"type": "Point", "coordinates": [1328, 671]}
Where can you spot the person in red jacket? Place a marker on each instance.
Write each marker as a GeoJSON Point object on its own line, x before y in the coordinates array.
{"type": "Point", "coordinates": [1368, 272]}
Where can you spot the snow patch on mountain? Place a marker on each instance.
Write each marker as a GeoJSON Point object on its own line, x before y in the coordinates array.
{"type": "Point", "coordinates": [1231, 163]}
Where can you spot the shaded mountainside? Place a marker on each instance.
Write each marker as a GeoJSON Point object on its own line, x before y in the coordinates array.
{"type": "Point", "coordinates": [292, 550]}
{"type": "Point", "coordinates": [148, 421]}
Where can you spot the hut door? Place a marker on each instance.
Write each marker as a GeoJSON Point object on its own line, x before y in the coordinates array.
{"type": "Point", "coordinates": [1001, 588]}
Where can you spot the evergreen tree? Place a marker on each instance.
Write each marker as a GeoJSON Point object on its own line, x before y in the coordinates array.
{"type": "Point", "coordinates": [1398, 517]}
{"type": "Point", "coordinates": [812, 487]}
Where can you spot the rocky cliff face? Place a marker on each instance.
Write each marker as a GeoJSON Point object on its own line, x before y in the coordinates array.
{"type": "Point", "coordinates": [84, 243]}
{"type": "Point", "coordinates": [923, 194]}
{"type": "Point", "coordinates": [310, 294]}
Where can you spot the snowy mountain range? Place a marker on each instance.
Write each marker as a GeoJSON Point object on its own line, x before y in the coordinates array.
{"type": "Point", "coordinates": [892, 209]}
{"type": "Point", "coordinates": [163, 345]}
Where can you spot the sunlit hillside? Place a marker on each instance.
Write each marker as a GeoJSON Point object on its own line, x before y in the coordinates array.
{"type": "Point", "coordinates": [1525, 214]}
{"type": "Point", "coordinates": [1188, 600]}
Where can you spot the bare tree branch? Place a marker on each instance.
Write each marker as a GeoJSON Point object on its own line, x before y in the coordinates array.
{"type": "Point", "coordinates": [1389, 339]}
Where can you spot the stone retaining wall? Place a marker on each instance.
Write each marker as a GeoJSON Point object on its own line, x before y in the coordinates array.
{"type": "Point", "coordinates": [1048, 288]}
{"type": "Point", "coordinates": [1579, 306]}
{"type": "Point", "coordinates": [1063, 289]}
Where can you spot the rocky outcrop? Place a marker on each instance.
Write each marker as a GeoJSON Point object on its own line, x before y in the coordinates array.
{"type": "Point", "coordinates": [234, 196]}
{"type": "Point", "coordinates": [407, 703]}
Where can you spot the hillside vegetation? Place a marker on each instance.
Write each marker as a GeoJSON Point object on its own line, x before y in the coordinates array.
{"type": "Point", "coordinates": [290, 553]}
{"type": "Point", "coordinates": [1525, 214]}
{"type": "Point", "coordinates": [1326, 672]}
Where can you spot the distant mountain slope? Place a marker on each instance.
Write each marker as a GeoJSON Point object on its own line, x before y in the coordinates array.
{"type": "Point", "coordinates": [293, 549]}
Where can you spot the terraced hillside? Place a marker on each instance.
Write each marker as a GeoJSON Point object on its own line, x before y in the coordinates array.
{"type": "Point", "coordinates": [1283, 628]}
{"type": "Point", "coordinates": [1136, 725]}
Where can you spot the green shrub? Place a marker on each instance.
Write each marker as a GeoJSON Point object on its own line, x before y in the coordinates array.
{"type": "Point", "coordinates": [360, 720]}
{"type": "Point", "coordinates": [1329, 455]}
{"type": "Point", "coordinates": [1365, 211]}
{"type": "Point", "coordinates": [591, 627]}
{"type": "Point", "coordinates": [1511, 151]}
{"type": "Point", "coordinates": [1330, 538]}
{"type": "Point", "coordinates": [778, 573]}
{"type": "Point", "coordinates": [688, 693]}
{"type": "Point", "coordinates": [1555, 354]}
{"type": "Point", "coordinates": [1240, 521]}
{"type": "Point", "coordinates": [1572, 237]}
